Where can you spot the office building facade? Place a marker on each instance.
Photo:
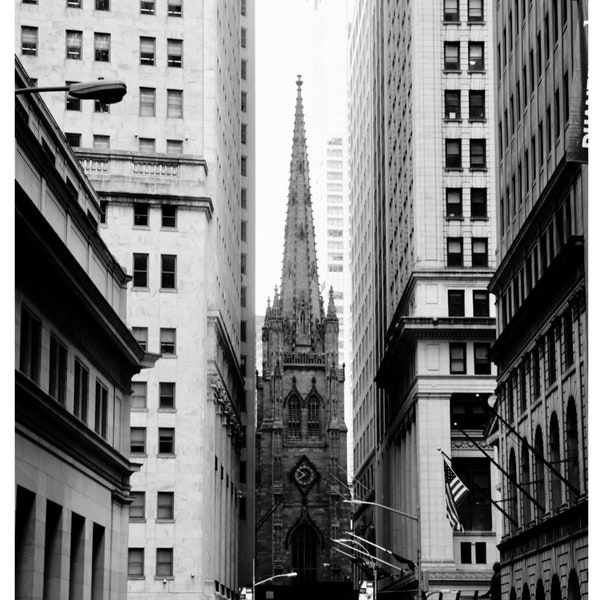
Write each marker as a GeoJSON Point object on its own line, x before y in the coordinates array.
{"type": "Point", "coordinates": [541, 297]}
{"type": "Point", "coordinates": [174, 166]}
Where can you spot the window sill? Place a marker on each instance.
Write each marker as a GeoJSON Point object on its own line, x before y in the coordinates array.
{"type": "Point", "coordinates": [449, 71]}
{"type": "Point", "coordinates": [138, 409]}
{"type": "Point", "coordinates": [168, 290]}
{"type": "Point", "coordinates": [480, 218]}
{"type": "Point", "coordinates": [476, 22]}
{"type": "Point", "coordinates": [446, 22]}
{"type": "Point", "coordinates": [136, 577]}
{"type": "Point", "coordinates": [481, 169]}
{"type": "Point", "coordinates": [163, 577]}
{"type": "Point", "coordinates": [166, 228]}
{"type": "Point", "coordinates": [166, 455]}
{"type": "Point", "coordinates": [456, 169]}
{"type": "Point", "coordinates": [144, 227]}
{"type": "Point", "coordinates": [451, 120]}
{"type": "Point", "coordinates": [453, 218]}
{"type": "Point", "coordinates": [165, 520]}
{"type": "Point", "coordinates": [477, 120]}
{"type": "Point", "coordinates": [134, 520]}
{"type": "Point", "coordinates": [167, 410]}
{"type": "Point", "coordinates": [140, 289]}
{"type": "Point", "coordinates": [476, 71]}
{"type": "Point", "coordinates": [167, 355]}
{"type": "Point", "coordinates": [138, 455]}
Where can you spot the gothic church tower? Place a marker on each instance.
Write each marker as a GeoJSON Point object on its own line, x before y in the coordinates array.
{"type": "Point", "coordinates": [301, 434]}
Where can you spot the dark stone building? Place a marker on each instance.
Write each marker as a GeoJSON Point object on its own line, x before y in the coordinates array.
{"type": "Point", "coordinates": [301, 434]}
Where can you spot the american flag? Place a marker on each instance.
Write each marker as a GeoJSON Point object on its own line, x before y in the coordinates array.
{"type": "Point", "coordinates": [455, 492]}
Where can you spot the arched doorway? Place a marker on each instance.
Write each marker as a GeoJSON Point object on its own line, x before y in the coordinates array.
{"type": "Point", "coordinates": [305, 548]}
{"type": "Point", "coordinates": [555, 588]}
{"type": "Point", "coordinates": [573, 593]}
{"type": "Point", "coordinates": [525, 595]}
{"type": "Point", "coordinates": [540, 594]}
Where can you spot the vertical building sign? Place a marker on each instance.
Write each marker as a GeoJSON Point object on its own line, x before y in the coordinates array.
{"type": "Point", "coordinates": [577, 133]}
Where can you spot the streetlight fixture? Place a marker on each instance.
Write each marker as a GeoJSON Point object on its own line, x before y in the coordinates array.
{"type": "Point", "coordinates": [108, 91]}
{"type": "Point", "coordinates": [255, 583]}
{"type": "Point", "coordinates": [344, 541]}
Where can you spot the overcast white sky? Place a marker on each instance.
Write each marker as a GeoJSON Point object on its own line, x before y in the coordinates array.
{"type": "Point", "coordinates": [281, 54]}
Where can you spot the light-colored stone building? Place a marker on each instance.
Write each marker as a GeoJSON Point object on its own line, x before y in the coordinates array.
{"type": "Point", "coordinates": [173, 164]}
{"type": "Point", "coordinates": [74, 359]}
{"type": "Point", "coordinates": [541, 297]}
{"type": "Point", "coordinates": [426, 251]}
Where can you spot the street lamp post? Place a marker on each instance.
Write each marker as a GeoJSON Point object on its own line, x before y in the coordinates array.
{"type": "Point", "coordinates": [373, 565]}
{"type": "Point", "coordinates": [255, 583]}
{"type": "Point", "coordinates": [408, 516]}
{"type": "Point", "coordinates": [107, 91]}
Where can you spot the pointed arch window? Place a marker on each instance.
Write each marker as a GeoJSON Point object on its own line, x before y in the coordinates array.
{"type": "Point", "coordinates": [293, 421]}
{"type": "Point", "coordinates": [525, 480]}
{"type": "Point", "coordinates": [313, 417]}
{"type": "Point", "coordinates": [540, 483]}
{"type": "Point", "coordinates": [305, 547]}
{"type": "Point", "coordinates": [572, 447]}
{"type": "Point", "coordinates": [513, 507]}
{"type": "Point", "coordinates": [555, 483]}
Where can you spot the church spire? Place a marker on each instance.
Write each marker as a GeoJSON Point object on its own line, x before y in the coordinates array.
{"type": "Point", "coordinates": [300, 299]}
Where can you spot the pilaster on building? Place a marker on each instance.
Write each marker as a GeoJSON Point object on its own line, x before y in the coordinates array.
{"type": "Point", "coordinates": [301, 434]}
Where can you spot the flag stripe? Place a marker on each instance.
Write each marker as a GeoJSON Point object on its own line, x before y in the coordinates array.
{"type": "Point", "coordinates": [455, 492]}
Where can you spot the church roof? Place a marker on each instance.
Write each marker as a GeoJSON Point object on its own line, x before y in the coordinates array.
{"type": "Point", "coordinates": [299, 277]}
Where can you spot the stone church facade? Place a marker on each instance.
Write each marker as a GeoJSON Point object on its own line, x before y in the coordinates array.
{"type": "Point", "coordinates": [301, 434]}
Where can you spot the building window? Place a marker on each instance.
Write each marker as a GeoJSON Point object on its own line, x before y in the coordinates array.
{"type": "Point", "coordinates": [465, 553]}
{"type": "Point", "coordinates": [451, 10]}
{"type": "Point", "coordinates": [165, 506]}
{"type": "Point", "coordinates": [476, 105]}
{"type": "Point", "coordinates": [81, 391]}
{"type": "Point", "coordinates": [451, 56]}
{"type": "Point", "coordinates": [475, 11]}
{"type": "Point", "coordinates": [243, 294]}
{"type": "Point", "coordinates": [478, 202]}
{"type": "Point", "coordinates": [147, 146]}
{"type": "Point", "coordinates": [175, 53]}
{"type": "Point", "coordinates": [539, 471]}
{"type": "Point", "coordinates": [243, 8]}
{"type": "Point", "coordinates": [244, 68]}
{"type": "Point", "coordinates": [313, 418]}
{"type": "Point", "coordinates": [453, 154]}
{"type": "Point", "coordinates": [31, 342]}
{"type": "Point", "coordinates": [293, 421]}
{"type": "Point", "coordinates": [29, 41]}
{"type": "Point", "coordinates": [243, 364]}
{"type": "Point", "coordinates": [101, 412]}
{"type": "Point", "coordinates": [140, 270]}
{"type": "Point", "coordinates": [102, 5]}
{"type": "Point", "coordinates": [244, 166]}
{"type": "Point", "coordinates": [101, 107]}
{"type": "Point", "coordinates": [572, 447]}
{"type": "Point", "coordinates": [140, 214]}
{"type": "Point", "coordinates": [168, 216]}
{"type": "Point", "coordinates": [74, 44]}
{"type": "Point", "coordinates": [102, 47]}
{"type": "Point", "coordinates": [58, 370]}
{"type": "Point", "coordinates": [244, 101]}
{"type": "Point", "coordinates": [477, 154]}
{"type": "Point", "coordinates": [147, 53]}
{"type": "Point", "coordinates": [175, 104]}
{"type": "Point", "coordinates": [551, 357]}
{"type": "Point", "coordinates": [167, 341]}
{"type": "Point", "coordinates": [147, 102]}
{"type": "Point", "coordinates": [103, 209]}
{"type": "Point", "coordinates": [166, 395]}
{"type": "Point", "coordinates": [481, 303]}
{"type": "Point", "coordinates": [175, 147]}
{"type": "Point", "coordinates": [453, 202]}
{"type": "Point", "coordinates": [71, 102]}
{"type": "Point", "coordinates": [455, 252]}
{"type": "Point", "coordinates": [137, 509]}
{"type": "Point", "coordinates": [73, 139]}
{"type": "Point", "coordinates": [166, 440]}
{"type": "Point", "coordinates": [168, 271]}
{"type": "Point", "coordinates": [175, 8]}
{"type": "Point", "coordinates": [141, 336]}
{"type": "Point", "coordinates": [135, 563]}
{"type": "Point", "coordinates": [164, 562]}
{"type": "Point", "coordinates": [469, 411]}
{"type": "Point", "coordinates": [476, 56]}
{"type": "Point", "coordinates": [456, 303]}
{"type": "Point", "coordinates": [568, 345]}
{"type": "Point", "coordinates": [475, 510]}
{"type": "Point", "coordinates": [479, 252]}
{"type": "Point", "coordinates": [243, 263]}
{"type": "Point", "coordinates": [244, 133]}
{"type": "Point", "coordinates": [243, 331]}
{"type": "Point", "coordinates": [482, 361]}
{"type": "Point", "coordinates": [452, 104]}
{"type": "Point", "coordinates": [243, 36]}
{"type": "Point", "coordinates": [139, 394]}
{"type": "Point", "coordinates": [138, 440]}
{"type": "Point", "coordinates": [101, 142]}
{"type": "Point", "coordinates": [458, 358]}
{"type": "Point", "coordinates": [147, 7]}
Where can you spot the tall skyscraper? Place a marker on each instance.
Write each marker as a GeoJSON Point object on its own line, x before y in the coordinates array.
{"type": "Point", "coordinates": [301, 434]}
{"type": "Point", "coordinates": [541, 296]}
{"type": "Point", "coordinates": [424, 84]}
{"type": "Point", "coordinates": [174, 167]}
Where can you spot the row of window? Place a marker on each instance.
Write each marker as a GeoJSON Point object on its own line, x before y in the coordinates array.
{"type": "Point", "coordinates": [294, 418]}
{"type": "Point", "coordinates": [166, 395]}
{"type": "Point", "coordinates": [478, 203]}
{"type": "Point", "coordinates": [452, 60]}
{"type": "Point", "coordinates": [455, 254]}
{"type": "Point", "coordinates": [165, 506]}
{"type": "Point", "coordinates": [163, 568]}
{"type": "Point", "coordinates": [166, 441]}
{"type": "Point", "coordinates": [168, 271]}
{"type": "Point", "coordinates": [147, 7]}
{"type": "Point", "coordinates": [141, 215]}
{"type": "Point", "coordinates": [456, 303]}
{"type": "Point", "coordinates": [452, 105]}
{"type": "Point", "coordinates": [477, 154]}
{"type": "Point", "coordinates": [474, 11]}
{"type": "Point", "coordinates": [30, 360]}
{"type": "Point", "coordinates": [458, 358]}
{"type": "Point", "coordinates": [167, 340]}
